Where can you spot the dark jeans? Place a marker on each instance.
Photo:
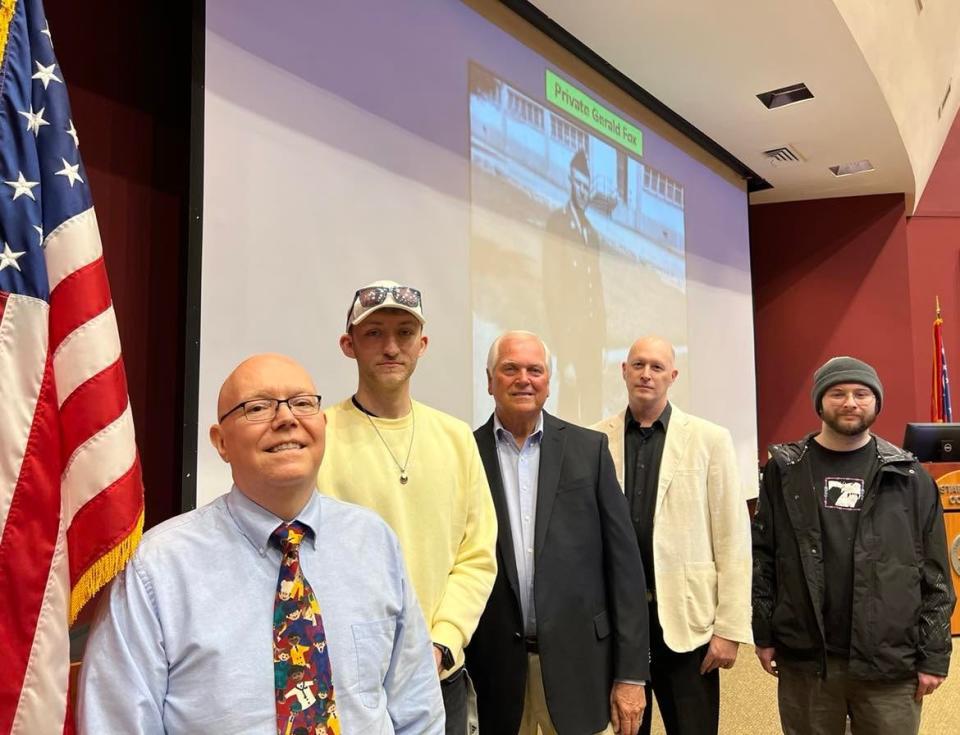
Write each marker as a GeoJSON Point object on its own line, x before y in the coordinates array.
{"type": "Point", "coordinates": [689, 702]}
{"type": "Point", "coordinates": [454, 690]}
{"type": "Point", "coordinates": [810, 705]}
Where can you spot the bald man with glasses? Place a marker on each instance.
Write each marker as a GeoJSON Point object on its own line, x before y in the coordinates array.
{"type": "Point", "coordinates": [272, 609]}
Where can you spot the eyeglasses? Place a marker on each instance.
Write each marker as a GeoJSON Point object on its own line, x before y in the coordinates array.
{"type": "Point", "coordinates": [376, 295]}
{"type": "Point", "coordinates": [861, 397]}
{"type": "Point", "coordinates": [265, 409]}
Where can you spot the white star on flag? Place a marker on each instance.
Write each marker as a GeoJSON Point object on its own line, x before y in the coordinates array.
{"type": "Point", "coordinates": [72, 132]}
{"type": "Point", "coordinates": [71, 172]}
{"type": "Point", "coordinates": [21, 186]}
{"type": "Point", "coordinates": [39, 230]}
{"type": "Point", "coordinates": [34, 120]}
{"type": "Point", "coordinates": [45, 74]}
{"type": "Point", "coordinates": [10, 257]}
{"type": "Point", "coordinates": [46, 31]}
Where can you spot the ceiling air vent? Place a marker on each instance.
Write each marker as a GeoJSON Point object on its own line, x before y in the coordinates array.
{"type": "Point", "coordinates": [783, 156]}
{"type": "Point", "coordinates": [785, 95]}
{"type": "Point", "coordinates": [854, 167]}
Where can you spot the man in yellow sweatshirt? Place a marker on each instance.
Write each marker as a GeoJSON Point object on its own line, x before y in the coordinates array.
{"type": "Point", "coordinates": [420, 470]}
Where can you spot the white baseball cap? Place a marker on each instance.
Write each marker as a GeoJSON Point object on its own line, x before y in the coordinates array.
{"type": "Point", "coordinates": [384, 295]}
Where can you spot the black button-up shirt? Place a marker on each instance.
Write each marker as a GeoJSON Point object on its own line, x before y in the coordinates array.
{"type": "Point", "coordinates": [643, 449]}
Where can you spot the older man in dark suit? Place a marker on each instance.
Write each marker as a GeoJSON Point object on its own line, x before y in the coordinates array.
{"type": "Point", "coordinates": [563, 642]}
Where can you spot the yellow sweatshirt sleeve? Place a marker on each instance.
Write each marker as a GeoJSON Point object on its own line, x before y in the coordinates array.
{"type": "Point", "coordinates": [475, 569]}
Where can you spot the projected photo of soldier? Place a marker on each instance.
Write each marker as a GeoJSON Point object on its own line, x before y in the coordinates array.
{"type": "Point", "coordinates": [573, 236]}
{"type": "Point", "coordinates": [574, 298]}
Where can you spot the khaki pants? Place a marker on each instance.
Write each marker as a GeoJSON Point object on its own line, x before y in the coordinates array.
{"type": "Point", "coordinates": [536, 718]}
{"type": "Point", "coordinates": [810, 705]}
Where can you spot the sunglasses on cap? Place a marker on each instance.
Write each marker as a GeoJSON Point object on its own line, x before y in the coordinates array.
{"type": "Point", "coordinates": [370, 298]}
{"type": "Point", "coordinates": [376, 295]}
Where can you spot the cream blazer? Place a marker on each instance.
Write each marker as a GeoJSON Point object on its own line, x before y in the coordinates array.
{"type": "Point", "coordinates": [701, 533]}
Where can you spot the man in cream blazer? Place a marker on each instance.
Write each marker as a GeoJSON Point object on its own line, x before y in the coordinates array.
{"type": "Point", "coordinates": [679, 474]}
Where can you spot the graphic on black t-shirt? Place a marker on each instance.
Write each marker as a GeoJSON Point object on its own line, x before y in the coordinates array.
{"type": "Point", "coordinates": [842, 493]}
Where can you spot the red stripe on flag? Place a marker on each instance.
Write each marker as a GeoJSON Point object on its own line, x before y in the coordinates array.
{"type": "Point", "coordinates": [27, 546]}
{"type": "Point", "coordinates": [93, 406]}
{"type": "Point", "coordinates": [79, 297]}
{"type": "Point", "coordinates": [108, 518]}
{"type": "Point", "coordinates": [69, 728]}
{"type": "Point", "coordinates": [3, 303]}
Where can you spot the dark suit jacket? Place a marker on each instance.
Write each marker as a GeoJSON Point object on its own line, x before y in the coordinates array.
{"type": "Point", "coordinates": [589, 590]}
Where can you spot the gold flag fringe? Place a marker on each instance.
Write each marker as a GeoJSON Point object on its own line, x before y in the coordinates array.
{"type": "Point", "coordinates": [7, 9]}
{"type": "Point", "coordinates": [103, 570]}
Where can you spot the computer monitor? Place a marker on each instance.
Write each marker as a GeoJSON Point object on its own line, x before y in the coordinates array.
{"type": "Point", "coordinates": [933, 442]}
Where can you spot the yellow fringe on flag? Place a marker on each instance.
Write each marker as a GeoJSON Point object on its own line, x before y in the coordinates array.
{"type": "Point", "coordinates": [103, 569]}
{"type": "Point", "coordinates": [7, 9]}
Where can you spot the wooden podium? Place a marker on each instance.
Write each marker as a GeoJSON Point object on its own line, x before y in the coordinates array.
{"type": "Point", "coordinates": [947, 475]}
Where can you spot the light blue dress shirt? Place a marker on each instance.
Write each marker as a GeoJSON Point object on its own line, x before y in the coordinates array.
{"type": "Point", "coordinates": [520, 472]}
{"type": "Point", "coordinates": [183, 642]}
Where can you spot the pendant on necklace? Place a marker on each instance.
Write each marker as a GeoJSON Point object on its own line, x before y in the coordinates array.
{"type": "Point", "coordinates": [403, 477]}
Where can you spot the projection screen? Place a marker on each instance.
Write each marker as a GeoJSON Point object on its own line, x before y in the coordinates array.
{"type": "Point", "coordinates": [449, 146]}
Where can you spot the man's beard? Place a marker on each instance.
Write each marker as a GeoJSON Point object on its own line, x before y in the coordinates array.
{"type": "Point", "coordinates": [865, 422]}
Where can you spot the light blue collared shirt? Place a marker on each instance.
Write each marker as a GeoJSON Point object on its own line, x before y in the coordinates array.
{"type": "Point", "coordinates": [520, 471]}
{"type": "Point", "coordinates": [183, 642]}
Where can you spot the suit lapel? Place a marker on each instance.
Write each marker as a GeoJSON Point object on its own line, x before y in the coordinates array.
{"type": "Point", "coordinates": [487, 445]}
{"type": "Point", "coordinates": [614, 432]}
{"type": "Point", "coordinates": [678, 434]}
{"type": "Point", "coordinates": [551, 461]}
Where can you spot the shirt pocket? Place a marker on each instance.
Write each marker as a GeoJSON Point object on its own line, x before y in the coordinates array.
{"type": "Point", "coordinates": [374, 645]}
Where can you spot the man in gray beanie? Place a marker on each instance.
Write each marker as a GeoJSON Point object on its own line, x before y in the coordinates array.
{"type": "Point", "coordinates": [851, 589]}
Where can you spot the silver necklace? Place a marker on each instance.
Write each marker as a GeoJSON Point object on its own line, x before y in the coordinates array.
{"type": "Point", "coordinates": [413, 430]}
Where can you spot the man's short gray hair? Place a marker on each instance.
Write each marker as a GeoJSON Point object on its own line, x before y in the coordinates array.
{"type": "Point", "coordinates": [494, 354]}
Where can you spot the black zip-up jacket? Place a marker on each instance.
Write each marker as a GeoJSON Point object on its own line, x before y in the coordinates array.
{"type": "Point", "coordinates": [902, 594]}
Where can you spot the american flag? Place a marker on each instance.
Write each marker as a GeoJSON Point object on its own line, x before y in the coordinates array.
{"type": "Point", "coordinates": [71, 493]}
{"type": "Point", "coordinates": [940, 409]}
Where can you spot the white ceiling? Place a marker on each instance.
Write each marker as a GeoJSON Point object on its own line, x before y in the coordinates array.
{"type": "Point", "coordinates": [878, 70]}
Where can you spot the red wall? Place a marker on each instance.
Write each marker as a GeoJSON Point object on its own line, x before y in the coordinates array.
{"type": "Point", "coordinates": [127, 68]}
{"type": "Point", "coordinates": [855, 276]}
{"type": "Point", "coordinates": [933, 234]}
{"type": "Point", "coordinates": [829, 278]}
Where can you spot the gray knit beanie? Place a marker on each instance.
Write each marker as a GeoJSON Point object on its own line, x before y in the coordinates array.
{"type": "Point", "coordinates": [844, 369]}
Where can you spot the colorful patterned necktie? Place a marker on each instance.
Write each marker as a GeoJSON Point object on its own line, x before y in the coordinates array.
{"type": "Point", "coordinates": [302, 675]}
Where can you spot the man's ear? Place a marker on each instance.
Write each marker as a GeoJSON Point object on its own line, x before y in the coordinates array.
{"type": "Point", "coordinates": [346, 345]}
{"type": "Point", "coordinates": [216, 438]}
{"type": "Point", "coordinates": [424, 341]}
